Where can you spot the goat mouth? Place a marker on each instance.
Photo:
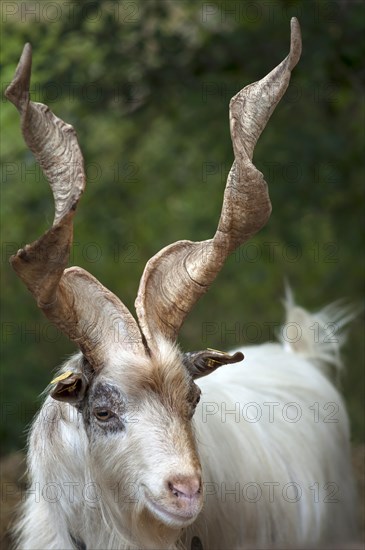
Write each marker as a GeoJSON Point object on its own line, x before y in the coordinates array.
{"type": "Point", "coordinates": [173, 518]}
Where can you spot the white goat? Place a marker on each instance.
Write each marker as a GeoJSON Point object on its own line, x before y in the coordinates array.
{"type": "Point", "coordinates": [116, 459]}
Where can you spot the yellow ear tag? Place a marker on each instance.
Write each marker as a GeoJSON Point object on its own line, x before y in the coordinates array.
{"type": "Point", "coordinates": [212, 362]}
{"type": "Point", "coordinates": [62, 376]}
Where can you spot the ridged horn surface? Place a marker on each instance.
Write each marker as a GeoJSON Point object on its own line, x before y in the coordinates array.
{"type": "Point", "coordinates": [89, 314]}
{"type": "Point", "coordinates": [176, 277]}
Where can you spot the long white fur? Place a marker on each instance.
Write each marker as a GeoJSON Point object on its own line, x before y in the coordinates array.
{"type": "Point", "coordinates": [252, 470]}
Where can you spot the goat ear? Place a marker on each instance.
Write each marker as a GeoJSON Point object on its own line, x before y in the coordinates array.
{"type": "Point", "coordinates": [202, 363]}
{"type": "Point", "coordinates": [70, 387]}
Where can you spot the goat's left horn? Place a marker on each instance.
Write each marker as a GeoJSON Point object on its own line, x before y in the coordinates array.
{"type": "Point", "coordinates": [89, 314]}
{"type": "Point", "coordinates": [181, 273]}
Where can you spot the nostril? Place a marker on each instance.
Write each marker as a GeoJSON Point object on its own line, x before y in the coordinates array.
{"type": "Point", "coordinates": [185, 487]}
{"type": "Point", "coordinates": [173, 489]}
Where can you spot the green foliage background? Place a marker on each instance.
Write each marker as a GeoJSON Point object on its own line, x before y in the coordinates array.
{"type": "Point", "coordinates": [147, 84]}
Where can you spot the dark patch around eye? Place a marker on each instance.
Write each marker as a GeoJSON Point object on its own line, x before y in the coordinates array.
{"type": "Point", "coordinates": [106, 392]}
{"type": "Point", "coordinates": [106, 409]}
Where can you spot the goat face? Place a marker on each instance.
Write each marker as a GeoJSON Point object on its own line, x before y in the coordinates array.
{"type": "Point", "coordinates": [137, 413]}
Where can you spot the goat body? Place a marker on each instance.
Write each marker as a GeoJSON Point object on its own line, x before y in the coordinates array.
{"type": "Point", "coordinates": [273, 441]}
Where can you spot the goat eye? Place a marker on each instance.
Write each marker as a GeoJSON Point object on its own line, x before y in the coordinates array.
{"type": "Point", "coordinates": [197, 400]}
{"type": "Point", "coordinates": [103, 414]}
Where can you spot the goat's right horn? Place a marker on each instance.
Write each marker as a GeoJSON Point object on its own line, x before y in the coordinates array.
{"type": "Point", "coordinates": [176, 277]}
{"type": "Point", "coordinates": [89, 314]}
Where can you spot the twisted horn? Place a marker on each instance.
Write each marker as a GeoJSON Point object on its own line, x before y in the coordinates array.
{"type": "Point", "coordinates": [176, 277]}
{"type": "Point", "coordinates": [89, 314]}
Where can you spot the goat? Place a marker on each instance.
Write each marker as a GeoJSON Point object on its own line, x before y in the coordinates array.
{"type": "Point", "coordinates": [121, 455]}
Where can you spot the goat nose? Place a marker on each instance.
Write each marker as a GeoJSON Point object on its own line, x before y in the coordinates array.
{"type": "Point", "coordinates": [185, 487]}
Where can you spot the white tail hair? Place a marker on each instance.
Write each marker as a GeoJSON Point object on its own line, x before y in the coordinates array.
{"type": "Point", "coordinates": [317, 336]}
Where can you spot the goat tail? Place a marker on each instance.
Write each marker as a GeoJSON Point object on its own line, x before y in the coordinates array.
{"type": "Point", "coordinates": [317, 336]}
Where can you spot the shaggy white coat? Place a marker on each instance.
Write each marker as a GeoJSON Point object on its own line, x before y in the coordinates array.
{"type": "Point", "coordinates": [273, 440]}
